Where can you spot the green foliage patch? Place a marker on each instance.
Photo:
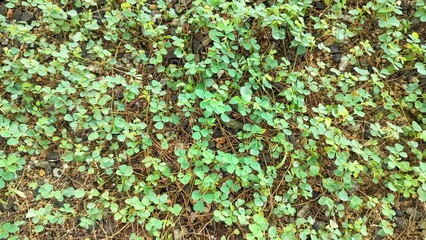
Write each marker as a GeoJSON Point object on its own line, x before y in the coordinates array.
{"type": "Point", "coordinates": [179, 119]}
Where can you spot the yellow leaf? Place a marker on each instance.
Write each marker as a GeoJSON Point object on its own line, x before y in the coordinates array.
{"type": "Point", "coordinates": [415, 35]}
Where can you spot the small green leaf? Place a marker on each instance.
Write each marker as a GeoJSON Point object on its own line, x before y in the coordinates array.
{"type": "Point", "coordinates": [343, 195]}
{"type": "Point", "coordinates": [213, 34]}
{"type": "Point", "coordinates": [79, 193]}
{"type": "Point", "coordinates": [277, 33]}
{"type": "Point", "coordinates": [355, 202]}
{"type": "Point", "coordinates": [93, 136]}
{"type": "Point", "coordinates": [214, 3]}
{"type": "Point", "coordinates": [39, 228]}
{"type": "Point", "coordinates": [154, 223]}
{"type": "Point", "coordinates": [420, 68]}
{"type": "Point", "coordinates": [246, 93]}
{"type": "Point", "coordinates": [393, 21]}
{"type": "Point", "coordinates": [208, 198]}
{"type": "Point", "coordinates": [301, 50]}
{"type": "Point", "coordinates": [422, 194]}
{"type": "Point", "coordinates": [176, 209]}
{"type": "Point", "coordinates": [314, 170]}
{"type": "Point", "coordinates": [159, 125]}
{"type": "Point", "coordinates": [12, 141]}
{"type": "Point", "coordinates": [199, 93]}
{"type": "Point", "coordinates": [225, 117]}
{"type": "Point", "coordinates": [124, 170]}
{"type": "Point", "coordinates": [416, 127]}
{"type": "Point", "coordinates": [199, 206]}
{"type": "Point", "coordinates": [196, 195]}
{"type": "Point", "coordinates": [114, 207]}
{"type": "Point", "coordinates": [196, 135]}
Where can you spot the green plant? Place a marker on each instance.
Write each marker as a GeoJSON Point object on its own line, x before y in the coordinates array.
{"type": "Point", "coordinates": [9, 166]}
{"type": "Point", "coordinates": [159, 116]}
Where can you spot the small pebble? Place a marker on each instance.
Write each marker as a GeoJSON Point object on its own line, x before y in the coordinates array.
{"type": "Point", "coordinates": [343, 63]}
{"type": "Point", "coordinates": [293, 141]}
{"type": "Point", "coordinates": [217, 133]}
{"type": "Point", "coordinates": [347, 18]}
{"type": "Point", "coordinates": [303, 211]}
{"type": "Point", "coordinates": [212, 145]}
{"type": "Point", "coordinates": [138, 104]}
{"type": "Point", "coordinates": [354, 128]}
{"type": "Point", "coordinates": [220, 74]}
{"type": "Point", "coordinates": [378, 236]}
{"type": "Point", "coordinates": [109, 227]}
{"type": "Point", "coordinates": [53, 156]}
{"type": "Point", "coordinates": [42, 164]}
{"type": "Point", "coordinates": [41, 173]}
{"type": "Point", "coordinates": [58, 204]}
{"type": "Point", "coordinates": [3, 9]}
{"type": "Point", "coordinates": [367, 133]}
{"type": "Point", "coordinates": [319, 5]}
{"type": "Point", "coordinates": [4, 41]}
{"type": "Point", "coordinates": [172, 58]}
{"type": "Point", "coordinates": [10, 204]}
{"type": "Point", "coordinates": [422, 225]}
{"type": "Point", "coordinates": [187, 188]}
{"type": "Point", "coordinates": [196, 46]}
{"type": "Point", "coordinates": [17, 14]}
{"type": "Point", "coordinates": [57, 172]}
{"type": "Point", "coordinates": [179, 234]}
{"type": "Point", "coordinates": [334, 48]}
{"type": "Point", "coordinates": [329, 41]}
{"type": "Point", "coordinates": [235, 125]}
{"type": "Point", "coordinates": [401, 223]}
{"type": "Point", "coordinates": [17, 43]}
{"type": "Point", "coordinates": [414, 79]}
{"type": "Point", "coordinates": [399, 213]}
{"type": "Point", "coordinates": [120, 95]}
{"type": "Point", "coordinates": [417, 215]}
{"type": "Point", "coordinates": [319, 225]}
{"type": "Point", "coordinates": [336, 57]}
{"type": "Point", "coordinates": [27, 17]}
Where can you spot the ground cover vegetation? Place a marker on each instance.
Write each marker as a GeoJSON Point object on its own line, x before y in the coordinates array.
{"type": "Point", "coordinates": [180, 119]}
